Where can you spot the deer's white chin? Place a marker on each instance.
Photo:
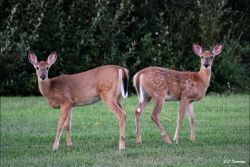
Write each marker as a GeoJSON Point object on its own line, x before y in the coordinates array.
{"type": "Point", "coordinates": [42, 80]}
{"type": "Point", "coordinates": [206, 68]}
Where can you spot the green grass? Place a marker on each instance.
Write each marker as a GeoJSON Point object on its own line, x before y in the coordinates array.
{"type": "Point", "coordinates": [28, 128]}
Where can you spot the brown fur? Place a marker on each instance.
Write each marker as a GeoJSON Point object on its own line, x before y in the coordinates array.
{"type": "Point", "coordinates": [81, 88]}
{"type": "Point", "coordinates": [161, 84]}
{"type": "Point", "coordinates": [67, 91]}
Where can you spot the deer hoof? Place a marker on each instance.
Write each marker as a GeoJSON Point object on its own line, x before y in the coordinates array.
{"type": "Point", "coordinates": [192, 138]}
{"type": "Point", "coordinates": [121, 148]}
{"type": "Point", "coordinates": [54, 149]}
{"type": "Point", "coordinates": [69, 144]}
{"type": "Point", "coordinates": [55, 146]}
{"type": "Point", "coordinates": [176, 142]}
{"type": "Point", "coordinates": [138, 140]}
{"type": "Point", "coordinates": [166, 139]}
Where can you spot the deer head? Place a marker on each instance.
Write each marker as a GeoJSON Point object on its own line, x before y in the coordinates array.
{"type": "Point", "coordinates": [207, 56]}
{"type": "Point", "coordinates": [42, 67]}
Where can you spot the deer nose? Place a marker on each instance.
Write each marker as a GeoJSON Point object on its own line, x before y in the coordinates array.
{"type": "Point", "coordinates": [43, 77]}
{"type": "Point", "coordinates": [206, 65]}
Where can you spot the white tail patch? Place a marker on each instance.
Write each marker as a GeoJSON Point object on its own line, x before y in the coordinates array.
{"type": "Point", "coordinates": [141, 93]}
{"type": "Point", "coordinates": [139, 89]}
{"type": "Point", "coordinates": [121, 86]}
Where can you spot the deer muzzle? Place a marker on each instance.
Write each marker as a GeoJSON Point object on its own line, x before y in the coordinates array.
{"type": "Point", "coordinates": [43, 74]}
{"type": "Point", "coordinates": [206, 63]}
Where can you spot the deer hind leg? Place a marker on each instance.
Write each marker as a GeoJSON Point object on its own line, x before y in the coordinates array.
{"type": "Point", "coordinates": [191, 115]}
{"type": "Point", "coordinates": [182, 109]}
{"type": "Point", "coordinates": [65, 110]}
{"type": "Point", "coordinates": [67, 126]}
{"type": "Point", "coordinates": [156, 118]}
{"type": "Point", "coordinates": [139, 109]}
{"type": "Point", "coordinates": [119, 103]}
{"type": "Point", "coordinates": [115, 106]}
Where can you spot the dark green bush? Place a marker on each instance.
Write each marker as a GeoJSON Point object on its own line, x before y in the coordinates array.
{"type": "Point", "coordinates": [133, 34]}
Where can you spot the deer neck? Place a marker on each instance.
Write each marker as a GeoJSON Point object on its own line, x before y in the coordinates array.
{"type": "Point", "coordinates": [205, 75]}
{"type": "Point", "coordinates": [44, 87]}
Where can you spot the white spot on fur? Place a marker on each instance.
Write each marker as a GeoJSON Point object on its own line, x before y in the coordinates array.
{"type": "Point", "coordinates": [138, 110]}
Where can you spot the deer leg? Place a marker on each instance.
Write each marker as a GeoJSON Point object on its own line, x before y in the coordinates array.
{"type": "Point", "coordinates": [182, 109]}
{"type": "Point", "coordinates": [156, 118]}
{"type": "Point", "coordinates": [65, 109]}
{"type": "Point", "coordinates": [122, 127]}
{"type": "Point", "coordinates": [114, 106]}
{"type": "Point", "coordinates": [139, 109]}
{"type": "Point", "coordinates": [190, 112]}
{"type": "Point", "coordinates": [119, 104]}
{"type": "Point", "coordinates": [67, 126]}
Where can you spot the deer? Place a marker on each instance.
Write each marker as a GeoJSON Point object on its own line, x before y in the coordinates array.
{"type": "Point", "coordinates": [162, 84]}
{"type": "Point", "coordinates": [107, 83]}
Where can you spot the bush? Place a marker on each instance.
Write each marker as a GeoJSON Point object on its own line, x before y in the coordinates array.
{"type": "Point", "coordinates": [133, 34]}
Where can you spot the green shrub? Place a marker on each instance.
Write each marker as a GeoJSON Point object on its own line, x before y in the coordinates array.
{"type": "Point", "coordinates": [133, 34]}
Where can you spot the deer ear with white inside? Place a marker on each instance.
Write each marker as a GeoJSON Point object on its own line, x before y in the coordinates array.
{"type": "Point", "coordinates": [217, 49]}
{"type": "Point", "coordinates": [52, 58]}
{"type": "Point", "coordinates": [32, 58]}
{"type": "Point", "coordinates": [197, 49]}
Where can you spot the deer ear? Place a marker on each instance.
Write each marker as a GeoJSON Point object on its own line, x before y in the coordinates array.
{"type": "Point", "coordinates": [217, 49]}
{"type": "Point", "coordinates": [52, 58]}
{"type": "Point", "coordinates": [197, 49]}
{"type": "Point", "coordinates": [32, 58]}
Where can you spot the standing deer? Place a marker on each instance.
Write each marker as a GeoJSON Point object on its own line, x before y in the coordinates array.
{"type": "Point", "coordinates": [107, 83]}
{"type": "Point", "coordinates": [162, 85]}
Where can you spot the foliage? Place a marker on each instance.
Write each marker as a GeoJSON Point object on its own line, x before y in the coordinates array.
{"type": "Point", "coordinates": [133, 34]}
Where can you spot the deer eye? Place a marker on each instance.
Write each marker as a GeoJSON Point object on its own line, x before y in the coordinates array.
{"type": "Point", "coordinates": [37, 68]}
{"type": "Point", "coordinates": [202, 57]}
{"type": "Point", "coordinates": [47, 68]}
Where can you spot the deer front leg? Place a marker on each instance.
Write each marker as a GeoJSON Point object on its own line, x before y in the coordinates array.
{"type": "Point", "coordinates": [67, 126]}
{"type": "Point", "coordinates": [156, 118]}
{"type": "Point", "coordinates": [182, 109]}
{"type": "Point", "coordinates": [190, 111]}
{"type": "Point", "coordinates": [65, 109]}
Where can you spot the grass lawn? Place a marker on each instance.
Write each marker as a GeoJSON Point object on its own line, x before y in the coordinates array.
{"type": "Point", "coordinates": [28, 127]}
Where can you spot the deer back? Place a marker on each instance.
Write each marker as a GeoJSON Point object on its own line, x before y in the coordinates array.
{"type": "Point", "coordinates": [169, 84]}
{"type": "Point", "coordinates": [85, 87]}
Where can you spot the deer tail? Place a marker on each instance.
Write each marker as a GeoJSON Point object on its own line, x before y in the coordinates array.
{"type": "Point", "coordinates": [137, 81]}
{"type": "Point", "coordinates": [123, 78]}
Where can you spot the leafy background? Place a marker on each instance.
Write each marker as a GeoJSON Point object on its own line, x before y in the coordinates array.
{"type": "Point", "coordinates": [131, 33]}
